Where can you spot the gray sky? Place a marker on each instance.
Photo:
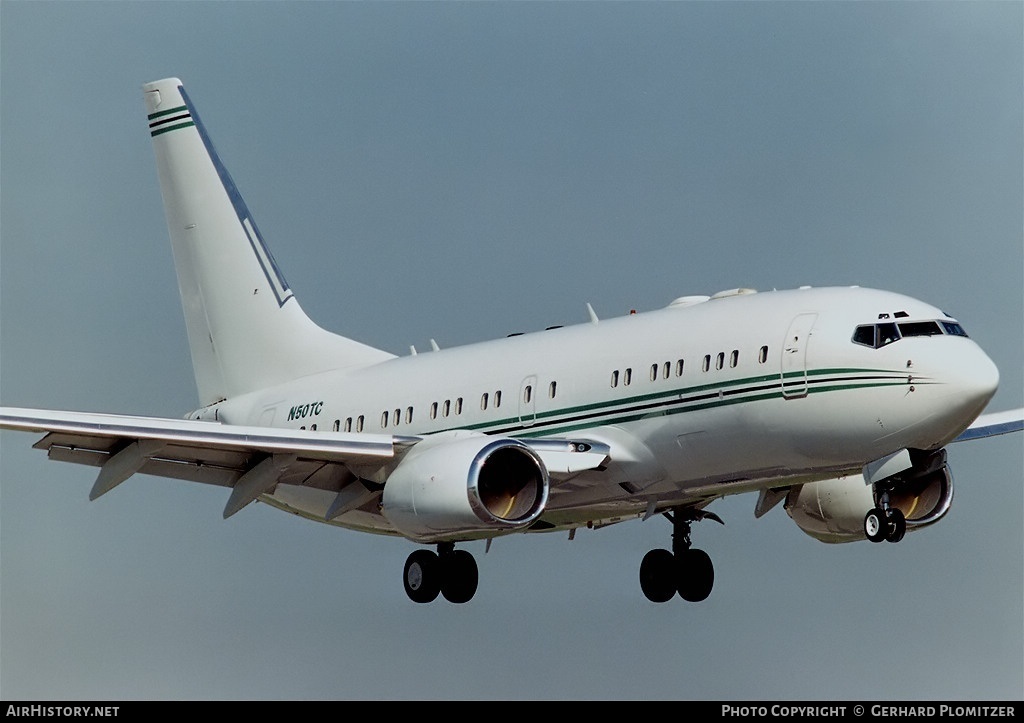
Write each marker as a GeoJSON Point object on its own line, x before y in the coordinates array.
{"type": "Point", "coordinates": [460, 171]}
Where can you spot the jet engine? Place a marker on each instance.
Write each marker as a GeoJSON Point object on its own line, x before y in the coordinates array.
{"type": "Point", "coordinates": [833, 510]}
{"type": "Point", "coordinates": [452, 485]}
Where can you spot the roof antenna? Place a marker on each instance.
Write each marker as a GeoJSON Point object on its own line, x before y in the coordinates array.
{"type": "Point", "coordinates": [434, 346]}
{"type": "Point", "coordinates": [593, 316]}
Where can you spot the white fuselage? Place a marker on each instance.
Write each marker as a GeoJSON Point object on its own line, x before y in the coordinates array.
{"type": "Point", "coordinates": [702, 398]}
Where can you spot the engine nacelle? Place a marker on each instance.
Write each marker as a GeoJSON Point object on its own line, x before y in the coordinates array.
{"type": "Point", "coordinates": [451, 485]}
{"type": "Point", "coordinates": [833, 510]}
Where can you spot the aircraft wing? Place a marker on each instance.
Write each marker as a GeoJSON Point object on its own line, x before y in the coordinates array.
{"type": "Point", "coordinates": [248, 459]}
{"type": "Point", "coordinates": [251, 460]}
{"type": "Point", "coordinates": [992, 424]}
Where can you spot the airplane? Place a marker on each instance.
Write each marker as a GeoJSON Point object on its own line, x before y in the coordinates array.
{"type": "Point", "coordinates": [836, 402]}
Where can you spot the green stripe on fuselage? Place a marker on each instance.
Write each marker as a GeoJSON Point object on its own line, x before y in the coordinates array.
{"type": "Point", "coordinates": [686, 399]}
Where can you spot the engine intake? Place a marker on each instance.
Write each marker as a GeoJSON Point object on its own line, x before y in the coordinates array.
{"type": "Point", "coordinates": [455, 485]}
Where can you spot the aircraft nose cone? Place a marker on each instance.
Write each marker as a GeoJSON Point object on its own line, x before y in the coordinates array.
{"type": "Point", "coordinates": [987, 380]}
{"type": "Point", "coordinates": [974, 381]}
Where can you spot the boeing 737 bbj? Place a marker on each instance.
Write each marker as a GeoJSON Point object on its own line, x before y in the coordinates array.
{"type": "Point", "coordinates": [838, 401]}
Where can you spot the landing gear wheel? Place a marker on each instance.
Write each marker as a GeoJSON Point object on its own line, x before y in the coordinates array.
{"type": "Point", "coordinates": [696, 575]}
{"type": "Point", "coordinates": [422, 576]}
{"type": "Point", "coordinates": [876, 526]}
{"type": "Point", "coordinates": [897, 526]}
{"type": "Point", "coordinates": [658, 576]}
{"type": "Point", "coordinates": [459, 576]}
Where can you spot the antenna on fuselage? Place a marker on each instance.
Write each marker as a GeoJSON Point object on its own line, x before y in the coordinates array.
{"type": "Point", "coordinates": [593, 316]}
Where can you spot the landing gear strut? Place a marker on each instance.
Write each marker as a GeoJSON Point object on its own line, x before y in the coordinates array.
{"type": "Point", "coordinates": [685, 570]}
{"type": "Point", "coordinates": [450, 572]}
{"type": "Point", "coordinates": [885, 522]}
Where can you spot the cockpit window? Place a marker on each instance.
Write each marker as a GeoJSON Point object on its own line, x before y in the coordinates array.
{"type": "Point", "coordinates": [887, 334]}
{"type": "Point", "coordinates": [920, 328]}
{"type": "Point", "coordinates": [881, 334]}
{"type": "Point", "coordinates": [953, 329]}
{"type": "Point", "coordinates": [864, 335]}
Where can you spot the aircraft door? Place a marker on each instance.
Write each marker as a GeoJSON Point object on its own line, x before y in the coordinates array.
{"type": "Point", "coordinates": [528, 401]}
{"type": "Point", "coordinates": [794, 356]}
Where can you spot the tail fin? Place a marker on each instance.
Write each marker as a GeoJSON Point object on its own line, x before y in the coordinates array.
{"type": "Point", "coordinates": [245, 328]}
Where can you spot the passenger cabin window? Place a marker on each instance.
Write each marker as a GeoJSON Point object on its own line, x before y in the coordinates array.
{"type": "Point", "coordinates": [734, 358]}
{"type": "Point", "coordinates": [497, 399]}
{"type": "Point", "coordinates": [666, 368]}
{"type": "Point", "coordinates": [707, 362]}
{"type": "Point", "coordinates": [615, 378]}
{"type": "Point", "coordinates": [552, 388]}
{"type": "Point", "coordinates": [446, 408]}
{"type": "Point", "coordinates": [408, 415]}
{"type": "Point", "coordinates": [627, 377]}
{"type": "Point", "coordinates": [348, 424]}
{"type": "Point", "coordinates": [458, 405]}
{"type": "Point", "coordinates": [720, 360]}
{"type": "Point", "coordinates": [679, 368]}
{"type": "Point", "coordinates": [359, 423]}
{"type": "Point", "coordinates": [654, 372]}
{"type": "Point", "coordinates": [337, 425]}
{"type": "Point", "coordinates": [384, 420]}
{"type": "Point", "coordinates": [433, 410]}
{"type": "Point", "coordinates": [483, 401]}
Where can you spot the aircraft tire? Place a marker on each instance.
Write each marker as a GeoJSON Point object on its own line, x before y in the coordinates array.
{"type": "Point", "coordinates": [696, 575]}
{"type": "Point", "coordinates": [459, 576]}
{"type": "Point", "coordinates": [422, 576]}
{"type": "Point", "coordinates": [658, 576]}
{"type": "Point", "coordinates": [876, 526]}
{"type": "Point", "coordinates": [897, 526]}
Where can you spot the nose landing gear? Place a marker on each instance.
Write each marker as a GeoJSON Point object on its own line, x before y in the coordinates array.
{"type": "Point", "coordinates": [885, 524]}
{"type": "Point", "coordinates": [684, 570]}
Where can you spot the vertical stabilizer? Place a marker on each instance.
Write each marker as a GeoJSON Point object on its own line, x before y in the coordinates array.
{"type": "Point", "coordinates": [245, 328]}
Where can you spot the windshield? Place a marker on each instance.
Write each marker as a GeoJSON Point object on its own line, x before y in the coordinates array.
{"type": "Point", "coordinates": [885, 333]}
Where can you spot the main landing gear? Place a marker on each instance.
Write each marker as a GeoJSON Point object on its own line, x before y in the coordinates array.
{"type": "Point", "coordinates": [685, 570]}
{"type": "Point", "coordinates": [450, 572]}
